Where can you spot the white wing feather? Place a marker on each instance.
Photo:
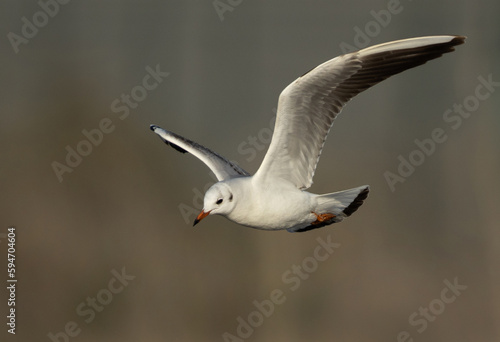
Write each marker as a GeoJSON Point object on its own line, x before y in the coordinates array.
{"type": "Point", "coordinates": [309, 105]}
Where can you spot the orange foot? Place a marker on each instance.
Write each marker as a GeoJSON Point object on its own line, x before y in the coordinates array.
{"type": "Point", "coordinates": [322, 218]}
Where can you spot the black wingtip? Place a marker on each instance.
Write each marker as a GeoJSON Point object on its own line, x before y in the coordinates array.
{"type": "Point", "coordinates": [459, 40]}
{"type": "Point", "coordinates": [169, 143]}
{"type": "Point", "coordinates": [358, 201]}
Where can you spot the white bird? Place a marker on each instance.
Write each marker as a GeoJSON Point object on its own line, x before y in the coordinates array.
{"type": "Point", "coordinates": [274, 197]}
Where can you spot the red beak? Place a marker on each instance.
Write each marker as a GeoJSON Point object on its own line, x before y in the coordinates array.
{"type": "Point", "coordinates": [200, 217]}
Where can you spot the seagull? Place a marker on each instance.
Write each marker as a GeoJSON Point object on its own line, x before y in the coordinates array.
{"type": "Point", "coordinates": [274, 198]}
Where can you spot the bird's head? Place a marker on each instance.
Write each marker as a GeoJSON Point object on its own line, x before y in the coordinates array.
{"type": "Point", "coordinates": [219, 200]}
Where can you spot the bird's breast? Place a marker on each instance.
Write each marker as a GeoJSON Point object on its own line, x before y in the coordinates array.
{"type": "Point", "coordinates": [272, 208]}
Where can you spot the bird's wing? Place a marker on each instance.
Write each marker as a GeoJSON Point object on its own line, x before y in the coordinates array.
{"type": "Point", "coordinates": [308, 106]}
{"type": "Point", "coordinates": [220, 166]}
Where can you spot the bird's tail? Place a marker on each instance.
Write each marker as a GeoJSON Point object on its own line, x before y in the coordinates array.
{"type": "Point", "coordinates": [342, 203]}
{"type": "Point", "coordinates": [334, 207]}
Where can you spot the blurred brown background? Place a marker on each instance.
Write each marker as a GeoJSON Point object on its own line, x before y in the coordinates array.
{"type": "Point", "coordinates": [118, 210]}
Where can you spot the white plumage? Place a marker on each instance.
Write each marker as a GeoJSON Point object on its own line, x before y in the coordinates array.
{"type": "Point", "coordinates": [274, 198]}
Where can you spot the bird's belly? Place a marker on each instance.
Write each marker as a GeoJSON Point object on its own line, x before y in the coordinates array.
{"type": "Point", "coordinates": [275, 210]}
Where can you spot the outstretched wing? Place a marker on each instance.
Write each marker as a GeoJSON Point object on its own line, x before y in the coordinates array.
{"type": "Point", "coordinates": [308, 106]}
{"type": "Point", "coordinates": [220, 166]}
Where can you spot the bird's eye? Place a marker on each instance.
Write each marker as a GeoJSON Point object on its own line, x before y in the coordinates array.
{"type": "Point", "coordinates": [231, 197]}
{"type": "Point", "coordinates": [219, 201]}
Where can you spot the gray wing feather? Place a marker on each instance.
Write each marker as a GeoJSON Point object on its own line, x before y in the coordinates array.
{"type": "Point", "coordinates": [310, 104]}
{"type": "Point", "coordinates": [220, 166]}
